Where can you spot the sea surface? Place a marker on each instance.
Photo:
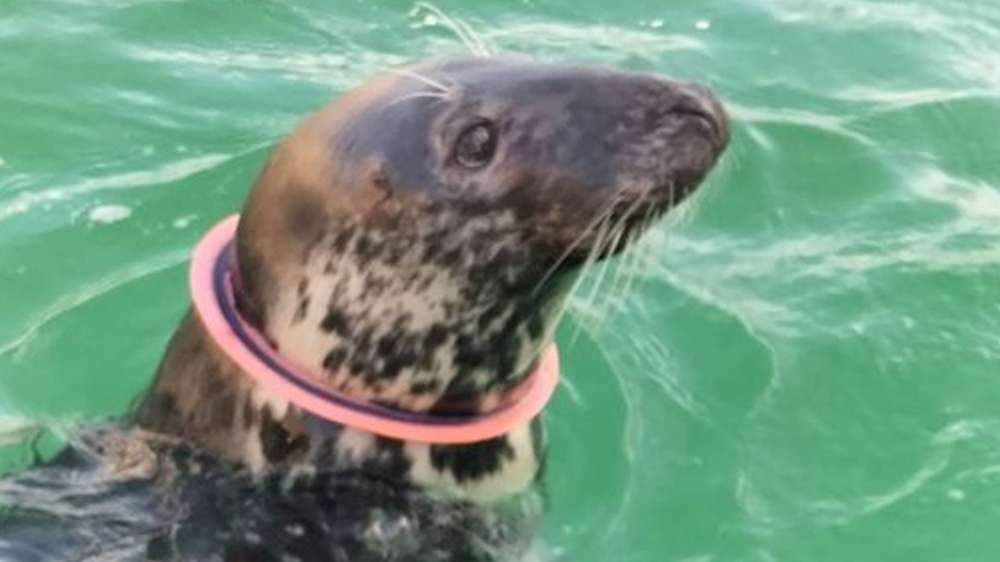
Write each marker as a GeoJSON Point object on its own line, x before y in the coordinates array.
{"type": "Point", "coordinates": [803, 364]}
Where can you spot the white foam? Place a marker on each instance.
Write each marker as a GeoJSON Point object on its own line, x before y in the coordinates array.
{"type": "Point", "coordinates": [14, 430]}
{"type": "Point", "coordinates": [180, 223]}
{"type": "Point", "coordinates": [109, 214]}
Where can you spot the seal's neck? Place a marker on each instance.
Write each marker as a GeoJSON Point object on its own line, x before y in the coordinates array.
{"type": "Point", "coordinates": [441, 322]}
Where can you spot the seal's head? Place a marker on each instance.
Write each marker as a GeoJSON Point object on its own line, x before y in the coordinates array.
{"type": "Point", "coordinates": [412, 240]}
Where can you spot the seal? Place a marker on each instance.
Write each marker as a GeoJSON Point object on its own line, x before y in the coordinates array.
{"type": "Point", "coordinates": [411, 246]}
{"type": "Point", "coordinates": [413, 243]}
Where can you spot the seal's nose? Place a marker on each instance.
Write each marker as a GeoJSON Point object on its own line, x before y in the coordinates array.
{"type": "Point", "coordinates": [698, 101]}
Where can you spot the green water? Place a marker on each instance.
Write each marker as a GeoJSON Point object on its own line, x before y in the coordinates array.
{"type": "Point", "coordinates": [802, 365]}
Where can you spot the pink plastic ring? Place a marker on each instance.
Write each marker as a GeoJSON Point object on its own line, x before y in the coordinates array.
{"type": "Point", "coordinates": [212, 299]}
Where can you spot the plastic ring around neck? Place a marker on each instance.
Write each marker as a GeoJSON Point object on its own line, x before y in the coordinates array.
{"type": "Point", "coordinates": [212, 298]}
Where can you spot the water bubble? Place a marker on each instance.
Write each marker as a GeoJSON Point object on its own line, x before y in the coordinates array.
{"type": "Point", "coordinates": [703, 24]}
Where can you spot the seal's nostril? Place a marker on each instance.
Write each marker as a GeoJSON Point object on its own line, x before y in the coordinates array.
{"type": "Point", "coordinates": [699, 102]}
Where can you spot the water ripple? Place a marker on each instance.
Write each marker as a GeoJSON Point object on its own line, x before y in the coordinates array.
{"type": "Point", "coordinates": [614, 40]}
{"type": "Point", "coordinates": [72, 300]}
{"type": "Point", "coordinates": [898, 100]}
{"type": "Point", "coordinates": [168, 173]}
{"type": "Point", "coordinates": [339, 70]}
{"type": "Point", "coordinates": [800, 118]}
{"type": "Point", "coordinates": [853, 14]}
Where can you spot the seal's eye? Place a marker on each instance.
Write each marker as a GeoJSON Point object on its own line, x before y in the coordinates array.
{"type": "Point", "coordinates": [476, 145]}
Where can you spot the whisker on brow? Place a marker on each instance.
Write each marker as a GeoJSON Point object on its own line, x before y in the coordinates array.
{"type": "Point", "coordinates": [419, 95]}
{"type": "Point", "coordinates": [462, 30]}
{"type": "Point", "coordinates": [421, 78]}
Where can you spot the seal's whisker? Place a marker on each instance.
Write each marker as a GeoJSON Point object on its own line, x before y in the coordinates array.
{"type": "Point", "coordinates": [621, 278]}
{"type": "Point", "coordinates": [485, 49]}
{"type": "Point", "coordinates": [592, 256]}
{"type": "Point", "coordinates": [622, 230]}
{"type": "Point", "coordinates": [639, 252]}
{"type": "Point", "coordinates": [648, 221]}
{"type": "Point", "coordinates": [479, 46]}
{"type": "Point", "coordinates": [439, 96]}
{"type": "Point", "coordinates": [625, 272]}
{"type": "Point", "coordinates": [461, 29]}
{"type": "Point", "coordinates": [643, 252]}
{"type": "Point", "coordinates": [589, 229]}
{"type": "Point", "coordinates": [600, 238]}
{"type": "Point", "coordinates": [614, 272]}
{"type": "Point", "coordinates": [614, 239]}
{"type": "Point", "coordinates": [623, 222]}
{"type": "Point", "coordinates": [409, 73]}
{"type": "Point", "coordinates": [613, 294]}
